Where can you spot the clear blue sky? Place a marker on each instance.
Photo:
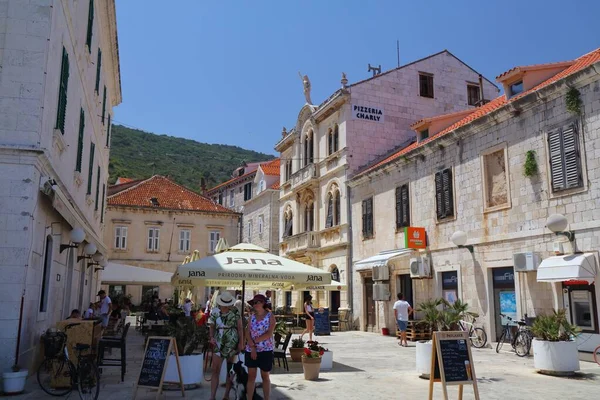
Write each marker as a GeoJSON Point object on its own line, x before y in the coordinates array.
{"type": "Point", "coordinates": [227, 71]}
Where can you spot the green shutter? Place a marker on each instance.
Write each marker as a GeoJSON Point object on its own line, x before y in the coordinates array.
{"type": "Point", "coordinates": [80, 141]}
{"type": "Point", "coordinates": [103, 201]}
{"type": "Point", "coordinates": [104, 105]}
{"type": "Point", "coordinates": [97, 188]}
{"type": "Point", "coordinates": [108, 133]}
{"type": "Point", "coordinates": [91, 169]}
{"type": "Point", "coordinates": [88, 40]}
{"type": "Point", "coordinates": [62, 92]}
{"type": "Point", "coordinates": [98, 67]}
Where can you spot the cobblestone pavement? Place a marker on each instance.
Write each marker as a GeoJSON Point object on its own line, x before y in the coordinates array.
{"type": "Point", "coordinates": [368, 365]}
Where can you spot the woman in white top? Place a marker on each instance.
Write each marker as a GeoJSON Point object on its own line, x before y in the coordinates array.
{"type": "Point", "coordinates": [310, 318]}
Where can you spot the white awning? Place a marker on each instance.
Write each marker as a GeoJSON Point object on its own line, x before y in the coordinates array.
{"type": "Point", "coordinates": [563, 268]}
{"type": "Point", "coordinates": [380, 259]}
{"type": "Point", "coordinates": [119, 274]}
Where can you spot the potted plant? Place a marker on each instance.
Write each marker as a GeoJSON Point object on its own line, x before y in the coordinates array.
{"type": "Point", "coordinates": [13, 381]}
{"type": "Point", "coordinates": [311, 364]}
{"type": "Point", "coordinates": [190, 335]}
{"type": "Point", "coordinates": [554, 348]}
{"type": "Point", "coordinates": [297, 349]}
{"type": "Point", "coordinates": [326, 354]}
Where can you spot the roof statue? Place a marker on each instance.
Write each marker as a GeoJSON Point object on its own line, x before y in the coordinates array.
{"type": "Point", "coordinates": [306, 83]}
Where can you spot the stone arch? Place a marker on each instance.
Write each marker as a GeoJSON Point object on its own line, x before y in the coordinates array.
{"type": "Point", "coordinates": [335, 273]}
{"type": "Point", "coordinates": [288, 220]}
{"type": "Point", "coordinates": [333, 205]}
{"type": "Point", "coordinates": [304, 116]}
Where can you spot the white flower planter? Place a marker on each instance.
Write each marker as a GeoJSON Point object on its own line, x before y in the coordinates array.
{"type": "Point", "coordinates": [14, 382]}
{"type": "Point", "coordinates": [555, 358]}
{"type": "Point", "coordinates": [327, 360]}
{"type": "Point", "coordinates": [191, 369]}
{"type": "Point", "coordinates": [424, 358]}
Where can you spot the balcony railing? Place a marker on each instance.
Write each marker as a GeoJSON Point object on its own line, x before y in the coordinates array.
{"type": "Point", "coordinates": [304, 176]}
{"type": "Point", "coordinates": [300, 242]}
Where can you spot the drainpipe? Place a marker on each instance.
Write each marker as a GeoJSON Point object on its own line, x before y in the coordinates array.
{"type": "Point", "coordinates": [349, 265]}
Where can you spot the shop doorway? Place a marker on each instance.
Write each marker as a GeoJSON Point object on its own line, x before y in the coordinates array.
{"type": "Point", "coordinates": [404, 286]}
{"type": "Point", "coordinates": [505, 300]}
{"type": "Point", "coordinates": [334, 302]}
{"type": "Point", "coordinates": [370, 304]}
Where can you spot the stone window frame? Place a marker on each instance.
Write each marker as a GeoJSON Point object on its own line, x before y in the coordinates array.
{"type": "Point", "coordinates": [212, 242]}
{"type": "Point", "coordinates": [472, 86]}
{"type": "Point", "coordinates": [484, 183]}
{"type": "Point", "coordinates": [184, 241]}
{"type": "Point", "coordinates": [429, 84]}
{"type": "Point", "coordinates": [400, 227]}
{"type": "Point", "coordinates": [438, 290]}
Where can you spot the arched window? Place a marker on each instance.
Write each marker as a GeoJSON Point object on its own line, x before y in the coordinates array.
{"type": "Point", "coordinates": [335, 274]}
{"type": "Point", "coordinates": [309, 151]}
{"type": "Point", "coordinates": [337, 208]}
{"type": "Point", "coordinates": [336, 138]}
{"type": "Point", "coordinates": [288, 218]}
{"type": "Point", "coordinates": [333, 208]}
{"type": "Point", "coordinates": [330, 142]}
{"type": "Point", "coordinates": [309, 217]}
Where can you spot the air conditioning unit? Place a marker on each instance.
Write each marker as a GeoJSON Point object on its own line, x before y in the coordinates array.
{"type": "Point", "coordinates": [381, 291]}
{"type": "Point", "coordinates": [420, 268]}
{"type": "Point", "coordinates": [381, 273]}
{"type": "Point", "coordinates": [525, 262]}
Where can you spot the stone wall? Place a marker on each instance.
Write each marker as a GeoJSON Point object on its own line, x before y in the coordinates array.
{"type": "Point", "coordinates": [265, 206]}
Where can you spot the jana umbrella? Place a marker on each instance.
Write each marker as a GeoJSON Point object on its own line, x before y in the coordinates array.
{"type": "Point", "coordinates": [334, 285]}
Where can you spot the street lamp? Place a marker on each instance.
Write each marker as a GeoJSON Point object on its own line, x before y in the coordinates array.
{"type": "Point", "coordinates": [76, 236]}
{"type": "Point", "coordinates": [459, 238]}
{"type": "Point", "coordinates": [558, 224]}
{"type": "Point", "coordinates": [89, 250]}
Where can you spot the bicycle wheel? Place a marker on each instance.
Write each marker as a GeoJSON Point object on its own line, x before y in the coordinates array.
{"type": "Point", "coordinates": [478, 338]}
{"type": "Point", "coordinates": [501, 341]}
{"type": "Point", "coordinates": [522, 344]}
{"type": "Point", "coordinates": [597, 355]}
{"type": "Point", "coordinates": [88, 382]}
{"type": "Point", "coordinates": [54, 377]}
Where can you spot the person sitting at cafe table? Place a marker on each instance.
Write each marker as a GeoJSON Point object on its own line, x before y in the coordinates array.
{"type": "Point", "coordinates": [75, 314]}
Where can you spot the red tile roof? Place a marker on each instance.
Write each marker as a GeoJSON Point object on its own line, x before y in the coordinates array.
{"type": "Point", "coordinates": [579, 64]}
{"type": "Point", "coordinates": [275, 186]}
{"type": "Point", "coordinates": [271, 168]}
{"type": "Point", "coordinates": [121, 180]}
{"type": "Point", "coordinates": [169, 195]}
{"type": "Point", "coordinates": [534, 68]}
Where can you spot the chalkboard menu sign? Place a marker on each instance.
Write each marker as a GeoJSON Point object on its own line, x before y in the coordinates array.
{"type": "Point", "coordinates": [154, 362]}
{"type": "Point", "coordinates": [451, 362]}
{"type": "Point", "coordinates": [322, 325]}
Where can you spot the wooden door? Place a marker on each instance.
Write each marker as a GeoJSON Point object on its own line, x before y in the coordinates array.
{"type": "Point", "coordinates": [370, 304]}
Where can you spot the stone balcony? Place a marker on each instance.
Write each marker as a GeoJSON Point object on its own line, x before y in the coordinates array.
{"type": "Point", "coordinates": [304, 177]}
{"type": "Point", "coordinates": [300, 242]}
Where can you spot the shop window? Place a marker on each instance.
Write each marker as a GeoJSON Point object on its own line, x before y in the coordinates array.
{"type": "Point", "coordinates": [450, 286]}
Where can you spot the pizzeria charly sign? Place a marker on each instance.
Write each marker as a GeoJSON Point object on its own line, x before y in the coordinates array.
{"type": "Point", "coordinates": [368, 113]}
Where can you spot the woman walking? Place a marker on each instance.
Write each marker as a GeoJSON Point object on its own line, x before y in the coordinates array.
{"type": "Point", "coordinates": [225, 335]}
{"type": "Point", "coordinates": [259, 347]}
{"type": "Point", "coordinates": [310, 317]}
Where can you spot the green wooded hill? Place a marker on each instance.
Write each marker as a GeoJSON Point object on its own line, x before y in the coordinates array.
{"type": "Point", "coordinates": [139, 155]}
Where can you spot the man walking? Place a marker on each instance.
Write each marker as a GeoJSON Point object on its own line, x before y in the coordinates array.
{"type": "Point", "coordinates": [105, 307]}
{"type": "Point", "coordinates": [402, 310]}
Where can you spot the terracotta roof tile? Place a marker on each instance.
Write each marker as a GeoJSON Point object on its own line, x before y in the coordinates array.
{"type": "Point", "coordinates": [169, 195]}
{"type": "Point", "coordinates": [121, 180]}
{"type": "Point", "coordinates": [271, 168]}
{"type": "Point", "coordinates": [275, 186]}
{"type": "Point", "coordinates": [579, 64]}
{"type": "Point", "coordinates": [534, 67]}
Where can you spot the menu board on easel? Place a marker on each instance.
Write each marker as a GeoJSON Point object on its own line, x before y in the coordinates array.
{"type": "Point", "coordinates": [154, 364]}
{"type": "Point", "coordinates": [322, 324]}
{"type": "Point", "coordinates": [452, 363]}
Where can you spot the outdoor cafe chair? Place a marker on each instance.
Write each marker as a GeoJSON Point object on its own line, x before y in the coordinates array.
{"type": "Point", "coordinates": [279, 353]}
{"type": "Point", "coordinates": [114, 342]}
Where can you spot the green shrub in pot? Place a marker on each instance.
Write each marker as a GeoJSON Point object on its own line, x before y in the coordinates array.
{"type": "Point", "coordinates": [554, 327]}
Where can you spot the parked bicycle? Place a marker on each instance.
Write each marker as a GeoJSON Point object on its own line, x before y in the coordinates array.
{"type": "Point", "coordinates": [477, 336]}
{"type": "Point", "coordinates": [58, 375]}
{"type": "Point", "coordinates": [597, 355]}
{"type": "Point", "coordinates": [520, 341]}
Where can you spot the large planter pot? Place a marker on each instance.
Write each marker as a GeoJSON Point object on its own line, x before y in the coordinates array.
{"type": "Point", "coordinates": [424, 358]}
{"type": "Point", "coordinates": [14, 382]}
{"type": "Point", "coordinates": [191, 369]}
{"type": "Point", "coordinates": [311, 367]}
{"type": "Point", "coordinates": [296, 353]}
{"type": "Point", "coordinates": [555, 358]}
{"type": "Point", "coordinates": [327, 361]}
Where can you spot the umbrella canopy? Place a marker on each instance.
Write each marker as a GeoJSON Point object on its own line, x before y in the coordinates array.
{"type": "Point", "coordinates": [119, 274]}
{"type": "Point", "coordinates": [249, 263]}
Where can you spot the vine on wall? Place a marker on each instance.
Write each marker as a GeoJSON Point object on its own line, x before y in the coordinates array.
{"type": "Point", "coordinates": [573, 101]}
{"type": "Point", "coordinates": [530, 167]}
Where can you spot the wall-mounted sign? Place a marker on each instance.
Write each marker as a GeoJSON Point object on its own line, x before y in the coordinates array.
{"type": "Point", "coordinates": [368, 113]}
{"type": "Point", "coordinates": [415, 238]}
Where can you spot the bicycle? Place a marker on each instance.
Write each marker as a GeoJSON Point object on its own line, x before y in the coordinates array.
{"type": "Point", "coordinates": [521, 342]}
{"type": "Point", "coordinates": [597, 355]}
{"type": "Point", "coordinates": [477, 336]}
{"type": "Point", "coordinates": [58, 367]}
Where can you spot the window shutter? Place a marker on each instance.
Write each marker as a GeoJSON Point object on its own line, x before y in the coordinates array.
{"type": "Point", "coordinates": [156, 239]}
{"type": "Point", "coordinates": [336, 138]}
{"type": "Point", "coordinates": [573, 175]}
{"type": "Point", "coordinates": [108, 132]}
{"type": "Point", "coordinates": [364, 218]}
{"type": "Point", "coordinates": [62, 92]}
{"type": "Point", "coordinates": [448, 199]}
{"type": "Point", "coordinates": [91, 168]}
{"type": "Point", "coordinates": [104, 105]}
{"type": "Point", "coordinates": [117, 237]}
{"type": "Point", "coordinates": [370, 216]}
{"type": "Point", "coordinates": [98, 68]}
{"type": "Point", "coordinates": [439, 196]}
{"type": "Point", "coordinates": [80, 141]}
{"type": "Point", "coordinates": [556, 164]}
{"type": "Point", "coordinates": [97, 188]}
{"type": "Point", "coordinates": [103, 201]}
{"type": "Point", "coordinates": [181, 240]}
{"type": "Point", "coordinates": [405, 206]}
{"type": "Point", "coordinates": [150, 237]}
{"type": "Point", "coordinates": [398, 207]}
{"type": "Point", "coordinates": [330, 142]}
{"type": "Point", "coordinates": [88, 40]}
{"type": "Point", "coordinates": [329, 221]}
{"type": "Point", "coordinates": [124, 237]}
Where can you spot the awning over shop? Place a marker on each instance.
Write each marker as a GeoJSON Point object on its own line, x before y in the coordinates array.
{"type": "Point", "coordinates": [119, 274]}
{"type": "Point", "coordinates": [380, 259]}
{"type": "Point", "coordinates": [568, 267]}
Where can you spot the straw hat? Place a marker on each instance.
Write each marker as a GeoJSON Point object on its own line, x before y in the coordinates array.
{"type": "Point", "coordinates": [225, 299]}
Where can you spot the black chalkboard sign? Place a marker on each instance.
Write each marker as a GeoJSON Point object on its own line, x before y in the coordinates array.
{"type": "Point", "coordinates": [322, 325]}
{"type": "Point", "coordinates": [154, 362]}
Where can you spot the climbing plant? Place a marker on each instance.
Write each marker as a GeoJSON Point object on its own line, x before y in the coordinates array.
{"type": "Point", "coordinates": [530, 167]}
{"type": "Point", "coordinates": [573, 101]}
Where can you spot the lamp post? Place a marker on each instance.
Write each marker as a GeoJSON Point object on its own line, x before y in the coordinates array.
{"type": "Point", "coordinates": [459, 238]}
{"type": "Point", "coordinates": [76, 236]}
{"type": "Point", "coordinates": [89, 250]}
{"type": "Point", "coordinates": [558, 224]}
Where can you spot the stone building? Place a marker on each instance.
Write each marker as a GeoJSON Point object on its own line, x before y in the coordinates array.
{"type": "Point", "coordinates": [355, 125]}
{"type": "Point", "coordinates": [155, 223]}
{"type": "Point", "coordinates": [59, 83]}
{"type": "Point", "coordinates": [236, 191]}
{"type": "Point", "coordinates": [490, 179]}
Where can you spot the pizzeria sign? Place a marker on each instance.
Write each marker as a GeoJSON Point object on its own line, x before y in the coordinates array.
{"type": "Point", "coordinates": [368, 113]}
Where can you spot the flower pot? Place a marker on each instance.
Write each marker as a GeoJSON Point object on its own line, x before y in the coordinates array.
{"type": "Point", "coordinates": [424, 358]}
{"type": "Point", "coordinates": [327, 360]}
{"type": "Point", "coordinates": [14, 382]}
{"type": "Point", "coordinates": [296, 353]}
{"type": "Point", "coordinates": [191, 369]}
{"type": "Point", "coordinates": [311, 367]}
{"type": "Point", "coordinates": [385, 331]}
{"type": "Point", "coordinates": [555, 358]}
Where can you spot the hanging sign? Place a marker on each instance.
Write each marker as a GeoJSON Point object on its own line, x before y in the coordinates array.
{"type": "Point", "coordinates": [368, 113]}
{"type": "Point", "coordinates": [452, 363]}
{"type": "Point", "coordinates": [154, 364]}
{"type": "Point", "coordinates": [415, 237]}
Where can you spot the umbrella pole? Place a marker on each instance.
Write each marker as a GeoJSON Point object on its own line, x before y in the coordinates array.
{"type": "Point", "coordinates": [243, 338]}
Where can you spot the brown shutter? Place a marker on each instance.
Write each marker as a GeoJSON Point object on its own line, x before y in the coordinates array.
{"type": "Point", "coordinates": [405, 206]}
{"type": "Point", "coordinates": [398, 207]}
{"type": "Point", "coordinates": [439, 196]}
{"type": "Point", "coordinates": [573, 175]}
{"type": "Point", "coordinates": [448, 200]}
{"type": "Point", "coordinates": [556, 164]}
